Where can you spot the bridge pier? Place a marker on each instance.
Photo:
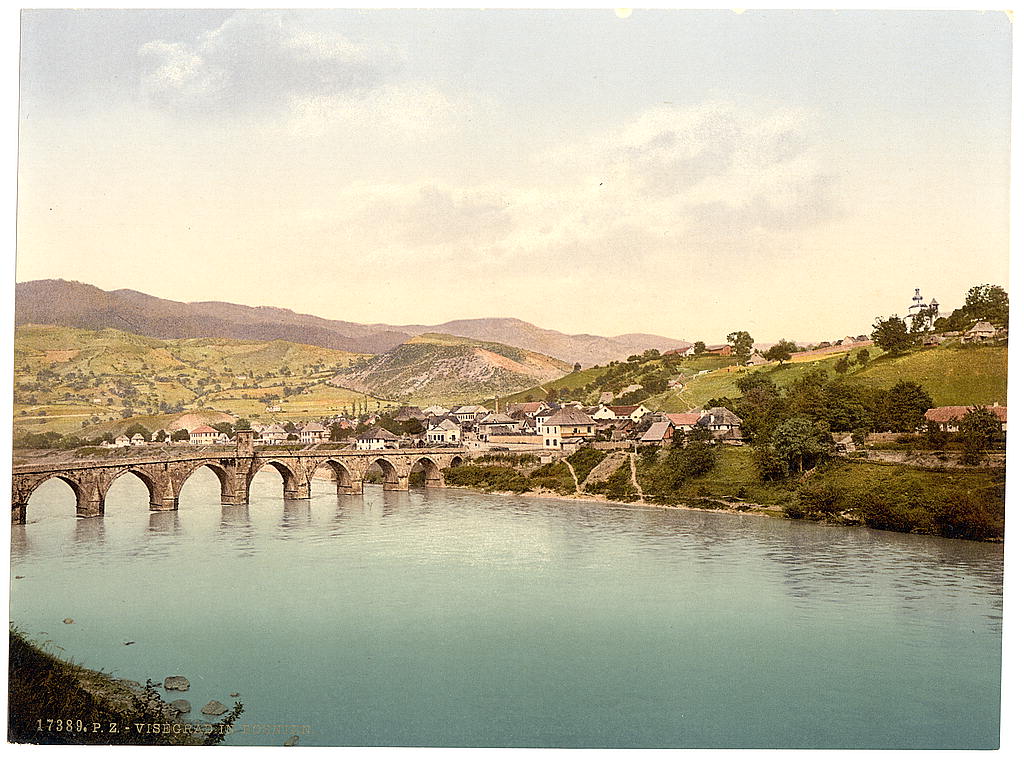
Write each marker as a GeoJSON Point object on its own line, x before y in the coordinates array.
{"type": "Point", "coordinates": [435, 482]}
{"type": "Point", "coordinates": [164, 503]}
{"type": "Point", "coordinates": [299, 491]}
{"type": "Point", "coordinates": [90, 508]}
{"type": "Point", "coordinates": [402, 484]}
{"type": "Point", "coordinates": [355, 487]}
{"type": "Point", "coordinates": [18, 512]}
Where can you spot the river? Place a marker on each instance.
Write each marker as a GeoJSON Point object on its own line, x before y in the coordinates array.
{"type": "Point", "coordinates": [451, 618]}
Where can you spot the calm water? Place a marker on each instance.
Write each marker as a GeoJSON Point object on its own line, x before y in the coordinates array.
{"type": "Point", "coordinates": [452, 618]}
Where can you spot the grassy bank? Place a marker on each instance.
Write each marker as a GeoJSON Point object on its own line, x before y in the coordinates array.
{"type": "Point", "coordinates": [56, 702]}
{"type": "Point", "coordinates": [963, 504]}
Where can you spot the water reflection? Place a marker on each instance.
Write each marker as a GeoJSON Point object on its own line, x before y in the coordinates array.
{"type": "Point", "coordinates": [90, 532]}
{"type": "Point", "coordinates": [165, 522]}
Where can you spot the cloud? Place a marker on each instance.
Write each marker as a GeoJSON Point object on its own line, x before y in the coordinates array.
{"type": "Point", "coordinates": [257, 61]}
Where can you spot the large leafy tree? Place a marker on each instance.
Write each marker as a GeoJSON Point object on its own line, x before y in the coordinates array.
{"type": "Point", "coordinates": [781, 351]}
{"type": "Point", "coordinates": [902, 407]}
{"type": "Point", "coordinates": [741, 343]}
{"type": "Point", "coordinates": [802, 442]}
{"type": "Point", "coordinates": [891, 335]}
{"type": "Point", "coordinates": [983, 423]}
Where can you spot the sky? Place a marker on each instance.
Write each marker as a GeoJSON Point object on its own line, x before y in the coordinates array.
{"type": "Point", "coordinates": [687, 173]}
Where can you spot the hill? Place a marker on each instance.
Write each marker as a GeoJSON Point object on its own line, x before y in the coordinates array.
{"type": "Point", "coordinates": [951, 374]}
{"type": "Point", "coordinates": [73, 380]}
{"type": "Point", "coordinates": [78, 305]}
{"type": "Point", "coordinates": [440, 367]}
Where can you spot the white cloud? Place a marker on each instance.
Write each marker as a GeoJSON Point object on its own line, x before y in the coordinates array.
{"type": "Point", "coordinates": [259, 60]}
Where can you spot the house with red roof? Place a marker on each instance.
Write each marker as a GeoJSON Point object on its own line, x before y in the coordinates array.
{"type": "Point", "coordinates": [204, 434]}
{"type": "Point", "coordinates": [948, 418]}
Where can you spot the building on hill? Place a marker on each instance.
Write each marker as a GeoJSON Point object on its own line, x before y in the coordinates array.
{"type": "Point", "coordinates": [204, 434]}
{"type": "Point", "coordinates": [445, 432]}
{"type": "Point", "coordinates": [756, 359]}
{"type": "Point", "coordinates": [685, 350]}
{"type": "Point", "coordinates": [719, 419]}
{"type": "Point", "coordinates": [632, 412]}
{"type": "Point", "coordinates": [120, 441]}
{"type": "Point", "coordinates": [435, 410]}
{"type": "Point", "coordinates": [527, 408]}
{"type": "Point", "coordinates": [470, 413]}
{"type": "Point", "coordinates": [496, 422]}
{"type": "Point", "coordinates": [948, 418]}
{"type": "Point", "coordinates": [377, 438]}
{"type": "Point", "coordinates": [683, 421]}
{"type": "Point", "coordinates": [271, 435]}
{"type": "Point", "coordinates": [719, 350]}
{"type": "Point", "coordinates": [660, 433]}
{"type": "Point", "coordinates": [929, 312]}
{"type": "Point", "coordinates": [980, 331]}
{"type": "Point", "coordinates": [566, 424]}
{"type": "Point", "coordinates": [138, 440]}
{"type": "Point", "coordinates": [313, 433]}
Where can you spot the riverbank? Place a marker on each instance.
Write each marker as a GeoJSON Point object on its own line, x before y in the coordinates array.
{"type": "Point", "coordinates": [953, 504]}
{"type": "Point", "coordinates": [52, 701]}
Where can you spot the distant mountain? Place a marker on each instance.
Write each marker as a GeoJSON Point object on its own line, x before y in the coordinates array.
{"type": "Point", "coordinates": [436, 366]}
{"type": "Point", "coordinates": [78, 305]}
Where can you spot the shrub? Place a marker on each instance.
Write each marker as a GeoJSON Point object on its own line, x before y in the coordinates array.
{"type": "Point", "coordinates": [961, 515]}
{"type": "Point", "coordinates": [821, 498]}
{"type": "Point", "coordinates": [487, 477]}
{"type": "Point", "coordinates": [585, 460]}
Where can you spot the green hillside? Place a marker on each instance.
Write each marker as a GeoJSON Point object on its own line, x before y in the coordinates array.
{"type": "Point", "coordinates": [652, 373]}
{"type": "Point", "coordinates": [951, 374]}
{"type": "Point", "coordinates": [79, 381]}
{"type": "Point", "coordinates": [436, 367]}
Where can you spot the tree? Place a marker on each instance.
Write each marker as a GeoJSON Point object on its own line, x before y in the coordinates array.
{"type": "Point", "coordinates": [699, 348]}
{"type": "Point", "coordinates": [136, 428]}
{"type": "Point", "coordinates": [243, 424]}
{"type": "Point", "coordinates": [338, 432]}
{"type": "Point", "coordinates": [160, 435]}
{"type": "Point", "coordinates": [983, 423]}
{"type": "Point", "coordinates": [741, 343]}
{"type": "Point", "coordinates": [902, 407]}
{"type": "Point", "coordinates": [226, 428]}
{"type": "Point", "coordinates": [988, 302]}
{"type": "Point", "coordinates": [781, 351]}
{"type": "Point", "coordinates": [863, 356]}
{"type": "Point", "coordinates": [180, 435]}
{"type": "Point", "coordinates": [891, 335]}
{"type": "Point", "coordinates": [843, 365]}
{"type": "Point", "coordinates": [801, 441]}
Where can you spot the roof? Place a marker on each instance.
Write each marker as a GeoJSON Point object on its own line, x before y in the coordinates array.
{"type": "Point", "coordinates": [724, 416]}
{"type": "Point", "coordinates": [377, 433]}
{"type": "Point", "coordinates": [497, 418]}
{"type": "Point", "coordinates": [470, 409]}
{"type": "Point", "coordinates": [570, 416]}
{"type": "Point", "coordinates": [656, 432]}
{"type": "Point", "coordinates": [955, 412]}
{"type": "Point", "coordinates": [982, 327]}
{"type": "Point", "coordinates": [313, 428]}
{"type": "Point", "coordinates": [624, 410]}
{"type": "Point", "coordinates": [203, 429]}
{"type": "Point", "coordinates": [528, 407]}
{"type": "Point", "coordinates": [683, 418]}
{"type": "Point", "coordinates": [446, 425]}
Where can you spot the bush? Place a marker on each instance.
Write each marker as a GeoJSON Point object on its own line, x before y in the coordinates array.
{"type": "Point", "coordinates": [891, 512]}
{"type": "Point", "coordinates": [487, 477]}
{"type": "Point", "coordinates": [585, 460]}
{"type": "Point", "coordinates": [821, 499]}
{"type": "Point", "coordinates": [961, 515]}
{"type": "Point", "coordinates": [554, 476]}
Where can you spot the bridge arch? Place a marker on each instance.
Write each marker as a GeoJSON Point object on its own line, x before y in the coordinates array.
{"type": "Point", "coordinates": [455, 462]}
{"type": "Point", "coordinates": [431, 470]}
{"type": "Point", "coordinates": [156, 493]}
{"type": "Point", "coordinates": [349, 481]}
{"type": "Point", "coordinates": [23, 495]}
{"type": "Point", "coordinates": [394, 477]}
{"type": "Point", "coordinates": [227, 494]}
{"type": "Point", "coordinates": [295, 485]}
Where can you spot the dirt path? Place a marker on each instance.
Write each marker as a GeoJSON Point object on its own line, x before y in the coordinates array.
{"type": "Point", "coordinates": [632, 475]}
{"type": "Point", "coordinates": [572, 472]}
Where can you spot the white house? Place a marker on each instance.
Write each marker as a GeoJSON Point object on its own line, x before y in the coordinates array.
{"type": "Point", "coordinates": [122, 441]}
{"type": "Point", "coordinates": [469, 412]}
{"type": "Point", "coordinates": [138, 440]}
{"type": "Point", "coordinates": [273, 434]}
{"type": "Point", "coordinates": [377, 438]}
{"type": "Point", "coordinates": [445, 432]}
{"type": "Point", "coordinates": [634, 412]}
{"type": "Point", "coordinates": [204, 434]}
{"type": "Point", "coordinates": [568, 423]}
{"type": "Point", "coordinates": [312, 433]}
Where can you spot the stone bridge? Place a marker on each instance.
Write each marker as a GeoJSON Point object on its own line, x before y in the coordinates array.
{"type": "Point", "coordinates": [164, 477]}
